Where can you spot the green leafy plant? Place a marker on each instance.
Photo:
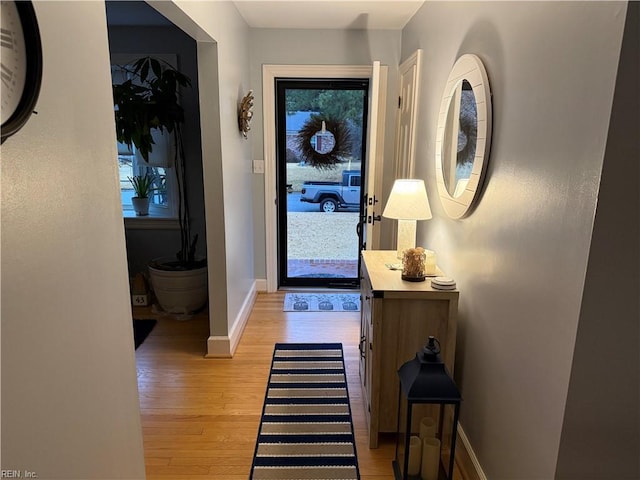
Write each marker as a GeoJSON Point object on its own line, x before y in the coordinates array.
{"type": "Point", "coordinates": [149, 100]}
{"type": "Point", "coordinates": [143, 185]}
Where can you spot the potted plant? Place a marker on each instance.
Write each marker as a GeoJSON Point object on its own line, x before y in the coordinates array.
{"type": "Point", "coordinates": [147, 105]}
{"type": "Point", "coordinates": [143, 186]}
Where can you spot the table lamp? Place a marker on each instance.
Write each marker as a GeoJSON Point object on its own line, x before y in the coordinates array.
{"type": "Point", "coordinates": [407, 203]}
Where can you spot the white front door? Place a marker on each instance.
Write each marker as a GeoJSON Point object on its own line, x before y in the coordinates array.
{"type": "Point", "coordinates": [375, 152]}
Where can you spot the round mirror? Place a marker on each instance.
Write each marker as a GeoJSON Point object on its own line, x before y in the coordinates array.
{"type": "Point", "coordinates": [463, 136]}
{"type": "Point", "coordinates": [460, 139]}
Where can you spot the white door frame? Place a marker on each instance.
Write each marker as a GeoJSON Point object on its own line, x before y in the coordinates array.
{"type": "Point", "coordinates": [269, 75]}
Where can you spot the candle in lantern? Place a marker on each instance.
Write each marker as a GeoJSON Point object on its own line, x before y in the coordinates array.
{"type": "Point", "coordinates": [427, 428]}
{"type": "Point", "coordinates": [430, 459]}
{"type": "Point", "coordinates": [415, 456]}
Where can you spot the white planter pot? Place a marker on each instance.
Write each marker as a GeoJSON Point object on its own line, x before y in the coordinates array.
{"type": "Point", "coordinates": [180, 292]}
{"type": "Point", "coordinates": [141, 206]}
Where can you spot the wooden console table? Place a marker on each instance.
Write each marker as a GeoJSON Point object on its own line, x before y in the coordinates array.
{"type": "Point", "coordinates": [397, 318]}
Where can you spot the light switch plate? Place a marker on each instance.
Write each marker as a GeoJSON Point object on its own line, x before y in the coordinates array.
{"type": "Point", "coordinates": [258, 166]}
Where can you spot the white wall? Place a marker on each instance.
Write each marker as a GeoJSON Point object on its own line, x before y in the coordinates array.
{"type": "Point", "coordinates": [520, 258]}
{"type": "Point", "coordinates": [316, 47]}
{"type": "Point", "coordinates": [69, 392]}
{"type": "Point", "coordinates": [222, 33]}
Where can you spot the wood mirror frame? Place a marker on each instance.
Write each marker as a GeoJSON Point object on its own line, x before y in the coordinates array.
{"type": "Point", "coordinates": [470, 68]}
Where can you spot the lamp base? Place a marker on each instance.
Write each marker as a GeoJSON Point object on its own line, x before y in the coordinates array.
{"type": "Point", "coordinates": [406, 236]}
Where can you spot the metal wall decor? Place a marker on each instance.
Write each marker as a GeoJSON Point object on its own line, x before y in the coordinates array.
{"type": "Point", "coordinates": [245, 113]}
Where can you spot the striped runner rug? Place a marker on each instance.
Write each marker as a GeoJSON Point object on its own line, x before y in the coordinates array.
{"type": "Point", "coordinates": [306, 431]}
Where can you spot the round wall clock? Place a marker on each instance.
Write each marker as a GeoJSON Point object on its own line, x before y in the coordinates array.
{"type": "Point", "coordinates": [21, 64]}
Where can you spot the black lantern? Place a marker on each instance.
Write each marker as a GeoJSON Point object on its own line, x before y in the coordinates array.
{"type": "Point", "coordinates": [425, 380]}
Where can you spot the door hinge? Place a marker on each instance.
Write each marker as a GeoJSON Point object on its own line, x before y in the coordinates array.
{"type": "Point", "coordinates": [399, 102]}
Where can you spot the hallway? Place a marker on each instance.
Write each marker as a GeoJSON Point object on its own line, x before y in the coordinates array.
{"type": "Point", "coordinates": [200, 416]}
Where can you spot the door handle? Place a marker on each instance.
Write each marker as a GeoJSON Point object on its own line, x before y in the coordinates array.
{"type": "Point", "coordinates": [372, 219]}
{"type": "Point", "coordinates": [361, 347]}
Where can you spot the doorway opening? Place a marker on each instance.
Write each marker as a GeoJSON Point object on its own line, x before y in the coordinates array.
{"type": "Point", "coordinates": [321, 127]}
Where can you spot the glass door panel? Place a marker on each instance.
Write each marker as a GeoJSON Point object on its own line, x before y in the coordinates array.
{"type": "Point", "coordinates": [321, 129]}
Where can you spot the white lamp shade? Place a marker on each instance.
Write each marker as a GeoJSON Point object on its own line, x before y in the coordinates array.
{"type": "Point", "coordinates": [408, 201]}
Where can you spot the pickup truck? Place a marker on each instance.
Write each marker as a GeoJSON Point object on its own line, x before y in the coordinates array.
{"type": "Point", "coordinates": [334, 195]}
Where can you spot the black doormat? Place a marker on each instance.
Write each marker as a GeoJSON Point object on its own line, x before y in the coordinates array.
{"type": "Point", "coordinates": [141, 329]}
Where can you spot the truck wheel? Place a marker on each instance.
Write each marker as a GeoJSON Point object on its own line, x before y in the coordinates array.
{"type": "Point", "coordinates": [329, 205]}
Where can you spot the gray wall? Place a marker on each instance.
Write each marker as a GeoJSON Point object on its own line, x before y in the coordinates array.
{"type": "Point", "coordinates": [601, 430]}
{"type": "Point", "coordinates": [69, 393]}
{"type": "Point", "coordinates": [317, 47]}
{"type": "Point", "coordinates": [144, 244]}
{"type": "Point", "coordinates": [520, 259]}
{"type": "Point", "coordinates": [223, 53]}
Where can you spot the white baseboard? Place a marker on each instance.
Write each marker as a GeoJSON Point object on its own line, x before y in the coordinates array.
{"type": "Point", "coordinates": [218, 346]}
{"type": "Point", "coordinates": [472, 455]}
{"type": "Point", "coordinates": [261, 284]}
{"type": "Point", "coordinates": [224, 346]}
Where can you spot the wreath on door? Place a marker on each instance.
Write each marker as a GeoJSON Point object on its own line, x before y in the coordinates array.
{"type": "Point", "coordinates": [324, 160]}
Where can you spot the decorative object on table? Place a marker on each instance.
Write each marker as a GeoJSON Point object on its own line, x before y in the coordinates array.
{"type": "Point", "coordinates": [336, 147]}
{"type": "Point", "coordinates": [21, 63]}
{"type": "Point", "coordinates": [306, 424]}
{"type": "Point", "coordinates": [145, 104]}
{"type": "Point", "coordinates": [463, 136]}
{"type": "Point", "coordinates": [413, 264]}
{"type": "Point", "coordinates": [443, 283]}
{"type": "Point", "coordinates": [143, 186]}
{"type": "Point", "coordinates": [430, 263]}
{"type": "Point", "coordinates": [321, 302]}
{"type": "Point", "coordinates": [393, 266]}
{"type": "Point", "coordinates": [425, 380]}
{"type": "Point", "coordinates": [245, 113]}
{"type": "Point", "coordinates": [408, 202]}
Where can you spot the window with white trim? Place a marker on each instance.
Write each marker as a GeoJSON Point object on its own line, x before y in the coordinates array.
{"type": "Point", "coordinates": [164, 199]}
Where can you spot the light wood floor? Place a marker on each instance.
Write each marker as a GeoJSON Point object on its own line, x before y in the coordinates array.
{"type": "Point", "coordinates": [200, 416]}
